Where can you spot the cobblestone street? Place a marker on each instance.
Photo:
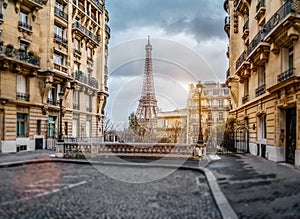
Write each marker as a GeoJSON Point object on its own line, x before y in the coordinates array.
{"type": "Point", "coordinates": [60, 190]}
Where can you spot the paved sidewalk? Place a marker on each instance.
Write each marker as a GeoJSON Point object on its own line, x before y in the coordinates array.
{"type": "Point", "coordinates": [258, 188]}
{"type": "Point", "coordinates": [25, 155]}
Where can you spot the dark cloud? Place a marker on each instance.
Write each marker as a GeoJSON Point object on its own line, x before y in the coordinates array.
{"type": "Point", "coordinates": [201, 18]}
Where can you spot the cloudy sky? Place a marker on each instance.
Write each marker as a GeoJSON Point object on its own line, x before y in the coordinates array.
{"type": "Point", "coordinates": [189, 45]}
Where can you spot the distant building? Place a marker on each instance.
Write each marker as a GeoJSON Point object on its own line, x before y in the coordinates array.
{"type": "Point", "coordinates": [49, 47]}
{"type": "Point", "coordinates": [215, 106]}
{"type": "Point", "coordinates": [171, 126]}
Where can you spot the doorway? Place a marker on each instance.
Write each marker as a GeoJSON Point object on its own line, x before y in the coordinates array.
{"type": "Point", "coordinates": [290, 135]}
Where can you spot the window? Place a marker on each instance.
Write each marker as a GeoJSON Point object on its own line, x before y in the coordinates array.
{"type": "Point", "coordinates": [89, 103]}
{"type": "Point", "coordinates": [76, 44]}
{"type": "Point", "coordinates": [59, 59]}
{"type": "Point", "coordinates": [24, 18]}
{"type": "Point", "coordinates": [51, 126]}
{"type": "Point", "coordinates": [216, 91]}
{"type": "Point", "coordinates": [221, 103]}
{"type": "Point", "coordinates": [21, 125]}
{"type": "Point", "coordinates": [246, 87]}
{"type": "Point", "coordinates": [221, 116]}
{"type": "Point", "coordinates": [89, 52]}
{"type": "Point", "coordinates": [53, 97]}
{"type": "Point", "coordinates": [21, 84]}
{"type": "Point", "coordinates": [209, 116]}
{"type": "Point", "coordinates": [226, 91]}
{"type": "Point", "coordinates": [262, 132]}
{"type": "Point", "coordinates": [165, 123]}
{"type": "Point", "coordinates": [66, 128]}
{"type": "Point", "coordinates": [291, 57]}
{"type": "Point", "coordinates": [38, 127]}
{"type": "Point", "coordinates": [76, 67]}
{"type": "Point", "coordinates": [287, 58]}
{"type": "Point", "coordinates": [76, 100]}
{"type": "Point", "coordinates": [75, 128]}
{"type": "Point", "coordinates": [59, 32]}
{"type": "Point", "coordinates": [88, 128]}
{"type": "Point", "coordinates": [59, 6]}
{"type": "Point", "coordinates": [261, 76]}
{"type": "Point", "coordinates": [24, 46]}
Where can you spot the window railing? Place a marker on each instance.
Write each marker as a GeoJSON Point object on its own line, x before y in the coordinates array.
{"type": "Point", "coordinates": [246, 25]}
{"type": "Point", "coordinates": [60, 13]}
{"type": "Point", "coordinates": [86, 79]}
{"type": "Point", "coordinates": [260, 90]}
{"type": "Point", "coordinates": [60, 39]}
{"type": "Point", "coordinates": [289, 7]}
{"type": "Point", "coordinates": [76, 51]}
{"type": "Point", "coordinates": [255, 42]}
{"type": "Point", "coordinates": [85, 31]}
{"type": "Point", "coordinates": [245, 99]}
{"type": "Point", "coordinates": [25, 25]}
{"type": "Point", "coordinates": [286, 75]}
{"type": "Point", "coordinates": [22, 96]}
{"type": "Point", "coordinates": [227, 20]}
{"type": "Point", "coordinates": [260, 4]}
{"type": "Point", "coordinates": [98, 4]}
{"type": "Point", "coordinates": [53, 102]}
{"type": "Point", "coordinates": [240, 60]}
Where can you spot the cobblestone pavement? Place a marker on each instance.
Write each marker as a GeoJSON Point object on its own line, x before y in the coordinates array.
{"type": "Point", "coordinates": [60, 190]}
{"type": "Point", "coordinates": [258, 188]}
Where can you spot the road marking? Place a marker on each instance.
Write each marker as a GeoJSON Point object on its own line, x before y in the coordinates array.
{"type": "Point", "coordinates": [45, 193]}
{"type": "Point", "coordinates": [214, 157]}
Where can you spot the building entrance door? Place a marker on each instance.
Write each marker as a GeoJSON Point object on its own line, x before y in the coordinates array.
{"type": "Point", "coordinates": [290, 135]}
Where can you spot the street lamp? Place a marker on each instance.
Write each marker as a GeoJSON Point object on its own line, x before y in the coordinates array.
{"type": "Point", "coordinates": [61, 96]}
{"type": "Point", "coordinates": [200, 136]}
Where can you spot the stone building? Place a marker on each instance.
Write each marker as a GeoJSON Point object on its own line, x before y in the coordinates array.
{"type": "Point", "coordinates": [263, 74]}
{"type": "Point", "coordinates": [47, 48]}
{"type": "Point", "coordinates": [171, 126]}
{"type": "Point", "coordinates": [215, 106]}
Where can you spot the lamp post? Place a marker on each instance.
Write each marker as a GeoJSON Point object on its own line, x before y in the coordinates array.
{"type": "Point", "coordinates": [200, 136]}
{"type": "Point", "coordinates": [60, 135]}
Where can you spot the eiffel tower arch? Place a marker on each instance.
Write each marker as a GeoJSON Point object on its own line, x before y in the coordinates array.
{"type": "Point", "coordinates": [147, 108]}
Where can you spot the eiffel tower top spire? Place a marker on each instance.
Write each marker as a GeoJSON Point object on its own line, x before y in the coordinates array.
{"type": "Point", "coordinates": [147, 108]}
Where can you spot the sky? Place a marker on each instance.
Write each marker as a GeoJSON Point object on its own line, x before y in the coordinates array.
{"type": "Point", "coordinates": [189, 45]}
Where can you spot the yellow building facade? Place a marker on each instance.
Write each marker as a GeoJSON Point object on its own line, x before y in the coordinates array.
{"type": "Point", "coordinates": [47, 48]}
{"type": "Point", "coordinates": [263, 74]}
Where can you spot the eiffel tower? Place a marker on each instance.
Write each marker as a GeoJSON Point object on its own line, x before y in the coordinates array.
{"type": "Point", "coordinates": [147, 108]}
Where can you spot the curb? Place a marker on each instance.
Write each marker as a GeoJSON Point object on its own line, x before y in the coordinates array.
{"type": "Point", "coordinates": [221, 201]}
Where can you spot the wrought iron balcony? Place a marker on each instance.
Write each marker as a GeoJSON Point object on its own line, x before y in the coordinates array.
{"type": "Point", "coordinates": [285, 10]}
{"type": "Point", "coordinates": [53, 102]}
{"type": "Point", "coordinates": [60, 39]}
{"type": "Point", "coordinates": [227, 25]}
{"type": "Point", "coordinates": [25, 25]}
{"type": "Point", "coordinates": [260, 90]}
{"type": "Point", "coordinates": [240, 60]}
{"type": "Point", "coordinates": [246, 26]}
{"type": "Point", "coordinates": [286, 75]}
{"type": "Point", "coordinates": [107, 28]}
{"type": "Point", "coordinates": [86, 79]}
{"type": "Point", "coordinates": [92, 82]}
{"type": "Point", "coordinates": [60, 13]}
{"type": "Point", "coordinates": [85, 31]}
{"type": "Point", "coordinates": [255, 42]}
{"type": "Point", "coordinates": [245, 99]}
{"type": "Point", "coordinates": [260, 5]}
{"type": "Point", "coordinates": [28, 57]}
{"type": "Point", "coordinates": [22, 96]}
{"type": "Point", "coordinates": [99, 4]}
{"type": "Point", "coordinates": [77, 52]}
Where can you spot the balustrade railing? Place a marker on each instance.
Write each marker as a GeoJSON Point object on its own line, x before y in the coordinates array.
{"type": "Point", "coordinates": [60, 13]}
{"type": "Point", "coordinates": [286, 75]}
{"type": "Point", "coordinates": [260, 90]}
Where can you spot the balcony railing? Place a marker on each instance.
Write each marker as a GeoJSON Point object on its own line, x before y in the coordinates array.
{"type": "Point", "coordinates": [86, 79]}
{"type": "Point", "coordinates": [107, 28]}
{"type": "Point", "coordinates": [77, 52]}
{"type": "Point", "coordinates": [240, 60]}
{"type": "Point", "coordinates": [85, 31]}
{"type": "Point", "coordinates": [61, 13]}
{"type": "Point", "coordinates": [246, 25]}
{"type": "Point", "coordinates": [245, 99]}
{"type": "Point", "coordinates": [61, 68]}
{"type": "Point", "coordinates": [60, 39]}
{"type": "Point", "coordinates": [289, 7]}
{"type": "Point", "coordinates": [53, 102]}
{"type": "Point", "coordinates": [22, 96]}
{"type": "Point", "coordinates": [260, 4]}
{"type": "Point", "coordinates": [255, 42]}
{"type": "Point", "coordinates": [286, 75]}
{"type": "Point", "coordinates": [98, 4]}
{"type": "Point", "coordinates": [25, 25]}
{"type": "Point", "coordinates": [260, 90]}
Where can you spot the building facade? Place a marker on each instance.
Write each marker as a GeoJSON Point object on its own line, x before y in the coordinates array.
{"type": "Point", "coordinates": [263, 74]}
{"type": "Point", "coordinates": [215, 106]}
{"type": "Point", "coordinates": [171, 126]}
{"type": "Point", "coordinates": [49, 48]}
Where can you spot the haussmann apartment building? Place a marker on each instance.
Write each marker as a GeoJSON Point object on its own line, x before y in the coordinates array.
{"type": "Point", "coordinates": [52, 51]}
{"type": "Point", "coordinates": [264, 74]}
